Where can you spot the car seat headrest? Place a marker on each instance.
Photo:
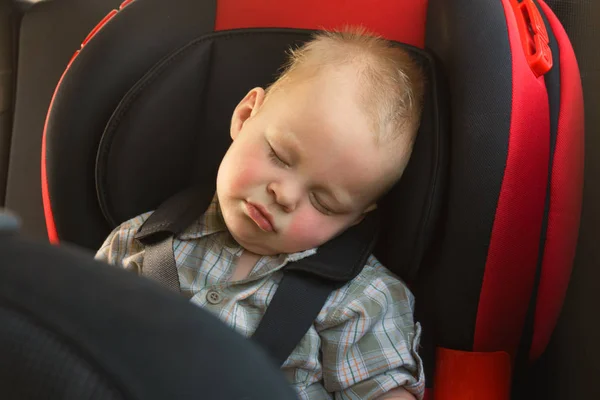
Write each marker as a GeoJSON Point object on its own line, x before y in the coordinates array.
{"type": "Point", "coordinates": [171, 129]}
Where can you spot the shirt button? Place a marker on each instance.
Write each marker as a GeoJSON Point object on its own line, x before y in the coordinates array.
{"type": "Point", "coordinates": [213, 297]}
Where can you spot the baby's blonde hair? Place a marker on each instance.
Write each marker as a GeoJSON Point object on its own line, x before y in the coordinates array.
{"type": "Point", "coordinates": [390, 82]}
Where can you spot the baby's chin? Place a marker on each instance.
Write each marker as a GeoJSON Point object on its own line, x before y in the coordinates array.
{"type": "Point", "coordinates": [248, 236]}
{"type": "Point", "coordinates": [255, 246]}
{"type": "Point", "coordinates": [265, 245]}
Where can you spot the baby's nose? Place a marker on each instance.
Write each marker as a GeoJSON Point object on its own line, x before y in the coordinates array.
{"type": "Point", "coordinates": [286, 196]}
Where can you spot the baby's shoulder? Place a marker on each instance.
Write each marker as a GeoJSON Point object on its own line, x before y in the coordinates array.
{"type": "Point", "coordinates": [376, 289]}
{"type": "Point", "coordinates": [121, 244]}
{"type": "Point", "coordinates": [134, 224]}
{"type": "Point", "coordinates": [375, 276]}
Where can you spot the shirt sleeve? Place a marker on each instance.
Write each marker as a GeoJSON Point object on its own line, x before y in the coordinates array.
{"type": "Point", "coordinates": [121, 248]}
{"type": "Point", "coordinates": [370, 344]}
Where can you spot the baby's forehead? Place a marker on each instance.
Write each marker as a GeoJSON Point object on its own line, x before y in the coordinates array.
{"type": "Point", "coordinates": [330, 82]}
{"type": "Point", "coordinates": [363, 171]}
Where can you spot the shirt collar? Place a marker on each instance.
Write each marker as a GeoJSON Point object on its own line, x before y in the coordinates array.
{"type": "Point", "coordinates": [210, 222]}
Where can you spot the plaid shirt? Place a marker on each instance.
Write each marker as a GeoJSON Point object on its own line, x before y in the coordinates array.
{"type": "Point", "coordinates": [363, 343]}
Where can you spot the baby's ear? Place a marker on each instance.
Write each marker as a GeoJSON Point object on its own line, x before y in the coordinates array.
{"type": "Point", "coordinates": [246, 109]}
{"type": "Point", "coordinates": [372, 207]}
{"type": "Point", "coordinates": [364, 214]}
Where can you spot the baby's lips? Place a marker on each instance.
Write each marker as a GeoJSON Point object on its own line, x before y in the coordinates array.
{"type": "Point", "coordinates": [261, 220]}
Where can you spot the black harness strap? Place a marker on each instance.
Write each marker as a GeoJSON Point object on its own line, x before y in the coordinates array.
{"type": "Point", "coordinates": [304, 288]}
{"type": "Point", "coordinates": [291, 312]}
{"type": "Point", "coordinates": [157, 233]}
{"type": "Point", "coordinates": [159, 263]}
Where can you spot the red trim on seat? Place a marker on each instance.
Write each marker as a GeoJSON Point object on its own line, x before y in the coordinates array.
{"type": "Point", "coordinates": [463, 375]}
{"type": "Point", "coordinates": [99, 26]}
{"type": "Point", "coordinates": [566, 191]}
{"type": "Point", "coordinates": [49, 216]}
{"type": "Point", "coordinates": [403, 21]}
{"type": "Point", "coordinates": [513, 249]}
{"type": "Point", "coordinates": [428, 394]}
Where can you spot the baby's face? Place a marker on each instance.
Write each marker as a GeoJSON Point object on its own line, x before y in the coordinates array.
{"type": "Point", "coordinates": [302, 168]}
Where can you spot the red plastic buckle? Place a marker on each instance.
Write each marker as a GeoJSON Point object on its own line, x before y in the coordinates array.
{"type": "Point", "coordinates": [534, 36]}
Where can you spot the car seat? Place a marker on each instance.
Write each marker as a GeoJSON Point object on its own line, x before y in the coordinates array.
{"type": "Point", "coordinates": [483, 225]}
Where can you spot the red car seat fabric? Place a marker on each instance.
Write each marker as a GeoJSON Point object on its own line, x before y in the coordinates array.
{"type": "Point", "coordinates": [496, 162]}
{"type": "Point", "coordinates": [394, 20]}
{"type": "Point", "coordinates": [515, 239]}
{"type": "Point", "coordinates": [471, 375]}
{"type": "Point", "coordinates": [566, 184]}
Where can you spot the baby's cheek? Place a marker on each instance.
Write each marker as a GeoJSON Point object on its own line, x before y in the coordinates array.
{"type": "Point", "coordinates": [310, 230]}
{"type": "Point", "coordinates": [244, 173]}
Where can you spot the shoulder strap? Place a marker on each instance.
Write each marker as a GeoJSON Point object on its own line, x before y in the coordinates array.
{"type": "Point", "coordinates": [306, 285]}
{"type": "Point", "coordinates": [294, 307]}
{"type": "Point", "coordinates": [157, 233]}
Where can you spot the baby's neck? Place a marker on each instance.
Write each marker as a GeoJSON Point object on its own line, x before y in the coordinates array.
{"type": "Point", "coordinates": [244, 265]}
